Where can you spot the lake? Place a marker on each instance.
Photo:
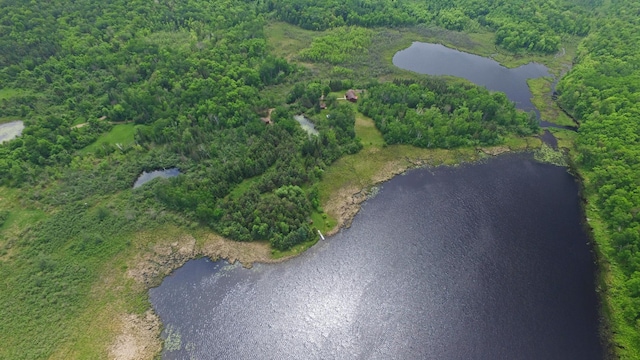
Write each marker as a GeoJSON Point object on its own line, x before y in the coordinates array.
{"type": "Point", "coordinates": [436, 59]}
{"type": "Point", "coordinates": [145, 177]}
{"type": "Point", "coordinates": [10, 130]}
{"type": "Point", "coordinates": [483, 261]}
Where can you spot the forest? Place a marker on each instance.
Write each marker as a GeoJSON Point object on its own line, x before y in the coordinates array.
{"type": "Point", "coordinates": [108, 90]}
{"type": "Point", "coordinates": [440, 115]}
{"type": "Point", "coordinates": [602, 92]}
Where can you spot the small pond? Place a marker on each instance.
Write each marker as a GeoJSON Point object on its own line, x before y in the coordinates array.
{"type": "Point", "coordinates": [10, 130]}
{"type": "Point", "coordinates": [306, 124]}
{"type": "Point", "coordinates": [436, 59]}
{"type": "Point", "coordinates": [145, 177]}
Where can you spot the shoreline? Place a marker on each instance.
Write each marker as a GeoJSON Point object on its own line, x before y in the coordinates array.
{"type": "Point", "coordinates": [139, 335]}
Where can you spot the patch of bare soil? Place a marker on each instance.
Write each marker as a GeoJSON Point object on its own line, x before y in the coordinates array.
{"type": "Point", "coordinates": [139, 338]}
{"type": "Point", "coordinates": [161, 258]}
{"type": "Point", "coordinates": [495, 151]}
{"type": "Point", "coordinates": [217, 247]}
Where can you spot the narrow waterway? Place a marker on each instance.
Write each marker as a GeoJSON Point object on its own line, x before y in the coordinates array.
{"type": "Point", "coordinates": [484, 261]}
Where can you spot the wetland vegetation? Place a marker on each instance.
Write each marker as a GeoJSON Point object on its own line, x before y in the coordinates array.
{"type": "Point", "coordinates": [109, 90]}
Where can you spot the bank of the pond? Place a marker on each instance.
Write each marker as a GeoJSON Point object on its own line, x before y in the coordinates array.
{"type": "Point", "coordinates": [346, 185]}
{"type": "Point", "coordinates": [605, 277]}
{"type": "Point", "coordinates": [542, 223]}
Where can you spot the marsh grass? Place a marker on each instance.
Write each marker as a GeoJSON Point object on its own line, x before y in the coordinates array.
{"type": "Point", "coordinates": [566, 139]}
{"type": "Point", "coordinates": [543, 101]}
{"type": "Point", "coordinates": [547, 155]}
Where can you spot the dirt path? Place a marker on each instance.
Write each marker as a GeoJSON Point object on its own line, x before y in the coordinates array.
{"type": "Point", "coordinates": [110, 122]}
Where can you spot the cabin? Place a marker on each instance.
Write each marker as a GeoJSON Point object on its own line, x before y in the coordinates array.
{"type": "Point", "coordinates": [267, 120]}
{"type": "Point", "coordinates": [323, 105]}
{"type": "Point", "coordinates": [351, 96]}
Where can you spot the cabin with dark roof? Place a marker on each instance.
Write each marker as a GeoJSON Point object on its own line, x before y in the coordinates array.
{"type": "Point", "coordinates": [351, 96]}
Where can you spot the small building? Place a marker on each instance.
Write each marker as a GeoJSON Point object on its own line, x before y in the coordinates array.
{"type": "Point", "coordinates": [267, 119]}
{"type": "Point", "coordinates": [323, 105]}
{"type": "Point", "coordinates": [351, 96]}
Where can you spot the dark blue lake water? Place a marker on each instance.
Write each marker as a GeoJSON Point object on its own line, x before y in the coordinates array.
{"type": "Point", "coordinates": [484, 261]}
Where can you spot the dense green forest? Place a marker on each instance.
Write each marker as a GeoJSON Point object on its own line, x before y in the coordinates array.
{"type": "Point", "coordinates": [110, 89]}
{"type": "Point", "coordinates": [440, 115]}
{"type": "Point", "coordinates": [603, 93]}
{"type": "Point", "coordinates": [519, 25]}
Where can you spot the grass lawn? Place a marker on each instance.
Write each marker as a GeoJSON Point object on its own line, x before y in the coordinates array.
{"type": "Point", "coordinates": [120, 134]}
{"type": "Point", "coordinates": [17, 218]}
{"type": "Point", "coordinates": [288, 40]}
{"type": "Point", "coordinates": [7, 93]}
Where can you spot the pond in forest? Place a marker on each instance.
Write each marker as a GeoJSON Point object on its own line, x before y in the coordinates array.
{"type": "Point", "coordinates": [145, 177]}
{"type": "Point", "coordinates": [10, 130]}
{"type": "Point", "coordinates": [306, 124]}
{"type": "Point", "coordinates": [481, 261]}
{"type": "Point", "coordinates": [436, 59]}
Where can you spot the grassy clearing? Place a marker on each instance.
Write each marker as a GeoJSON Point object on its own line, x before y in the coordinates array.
{"type": "Point", "coordinates": [243, 187]}
{"type": "Point", "coordinates": [378, 162]}
{"type": "Point", "coordinates": [549, 109]}
{"type": "Point", "coordinates": [366, 130]}
{"type": "Point", "coordinates": [18, 217]}
{"type": "Point", "coordinates": [288, 40]}
{"type": "Point", "coordinates": [8, 93]}
{"type": "Point", "coordinates": [120, 134]}
{"type": "Point", "coordinates": [111, 295]}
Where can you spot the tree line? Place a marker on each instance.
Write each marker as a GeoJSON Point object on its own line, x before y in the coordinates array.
{"type": "Point", "coordinates": [602, 92]}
